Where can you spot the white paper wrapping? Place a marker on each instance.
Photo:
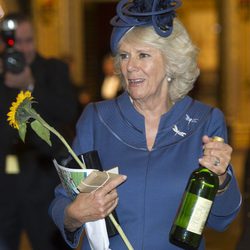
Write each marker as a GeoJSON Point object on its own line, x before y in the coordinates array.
{"type": "Point", "coordinates": [97, 235]}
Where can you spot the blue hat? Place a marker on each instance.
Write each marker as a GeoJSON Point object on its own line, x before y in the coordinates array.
{"type": "Point", "coordinates": [158, 13]}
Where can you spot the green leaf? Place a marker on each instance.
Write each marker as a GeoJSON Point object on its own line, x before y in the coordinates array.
{"type": "Point", "coordinates": [41, 131]}
{"type": "Point", "coordinates": [22, 131]}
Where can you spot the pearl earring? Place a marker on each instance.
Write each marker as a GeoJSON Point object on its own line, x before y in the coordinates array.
{"type": "Point", "coordinates": [169, 79]}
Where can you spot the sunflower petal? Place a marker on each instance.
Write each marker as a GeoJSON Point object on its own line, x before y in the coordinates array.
{"type": "Point", "coordinates": [21, 98]}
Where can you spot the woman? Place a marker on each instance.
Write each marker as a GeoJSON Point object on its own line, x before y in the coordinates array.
{"type": "Point", "coordinates": [154, 132]}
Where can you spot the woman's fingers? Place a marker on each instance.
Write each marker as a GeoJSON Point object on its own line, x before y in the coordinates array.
{"type": "Point", "coordinates": [216, 155]}
{"type": "Point", "coordinates": [107, 188]}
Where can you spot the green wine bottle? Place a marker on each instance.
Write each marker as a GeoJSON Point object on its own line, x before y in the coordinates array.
{"type": "Point", "coordinates": [195, 207]}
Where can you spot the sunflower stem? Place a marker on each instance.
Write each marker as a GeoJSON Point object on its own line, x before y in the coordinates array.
{"type": "Point", "coordinates": [122, 234]}
{"type": "Point", "coordinates": [51, 129]}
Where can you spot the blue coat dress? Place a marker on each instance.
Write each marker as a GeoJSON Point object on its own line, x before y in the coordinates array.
{"type": "Point", "coordinates": [149, 199]}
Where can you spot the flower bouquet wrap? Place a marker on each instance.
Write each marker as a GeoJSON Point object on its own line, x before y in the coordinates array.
{"type": "Point", "coordinates": [92, 161]}
{"type": "Point", "coordinates": [73, 180]}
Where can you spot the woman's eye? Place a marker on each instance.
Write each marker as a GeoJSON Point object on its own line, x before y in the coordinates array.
{"type": "Point", "coordinates": [143, 55]}
{"type": "Point", "coordinates": [123, 56]}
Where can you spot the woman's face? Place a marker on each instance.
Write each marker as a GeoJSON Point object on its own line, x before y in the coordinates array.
{"type": "Point", "coordinates": [143, 68]}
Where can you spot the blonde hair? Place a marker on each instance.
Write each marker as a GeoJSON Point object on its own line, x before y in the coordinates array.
{"type": "Point", "coordinates": [179, 52]}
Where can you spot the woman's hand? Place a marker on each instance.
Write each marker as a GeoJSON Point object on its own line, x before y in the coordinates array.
{"type": "Point", "coordinates": [216, 157]}
{"type": "Point", "coordinates": [92, 206]}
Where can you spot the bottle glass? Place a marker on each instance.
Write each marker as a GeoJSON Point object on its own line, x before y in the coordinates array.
{"type": "Point", "coordinates": [195, 207]}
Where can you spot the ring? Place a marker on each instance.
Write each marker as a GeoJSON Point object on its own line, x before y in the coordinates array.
{"type": "Point", "coordinates": [217, 161]}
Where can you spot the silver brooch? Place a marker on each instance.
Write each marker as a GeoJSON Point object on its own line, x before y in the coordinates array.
{"type": "Point", "coordinates": [178, 132]}
{"type": "Point", "coordinates": [191, 120]}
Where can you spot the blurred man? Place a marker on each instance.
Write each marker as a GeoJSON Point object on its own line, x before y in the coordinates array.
{"type": "Point", "coordinates": [27, 175]}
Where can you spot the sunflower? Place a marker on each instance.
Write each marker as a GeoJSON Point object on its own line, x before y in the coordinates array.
{"type": "Point", "coordinates": [16, 112]}
{"type": "Point", "coordinates": [22, 114]}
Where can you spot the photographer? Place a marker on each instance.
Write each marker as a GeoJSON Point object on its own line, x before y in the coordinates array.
{"type": "Point", "coordinates": [27, 174]}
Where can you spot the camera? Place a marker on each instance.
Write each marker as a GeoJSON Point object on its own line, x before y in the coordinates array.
{"type": "Point", "coordinates": [12, 60]}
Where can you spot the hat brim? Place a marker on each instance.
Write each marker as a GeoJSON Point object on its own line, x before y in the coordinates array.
{"type": "Point", "coordinates": [116, 35]}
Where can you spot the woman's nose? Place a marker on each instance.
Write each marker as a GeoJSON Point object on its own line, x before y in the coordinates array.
{"type": "Point", "coordinates": [133, 64]}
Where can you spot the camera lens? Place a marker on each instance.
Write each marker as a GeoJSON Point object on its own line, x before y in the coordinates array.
{"type": "Point", "coordinates": [14, 62]}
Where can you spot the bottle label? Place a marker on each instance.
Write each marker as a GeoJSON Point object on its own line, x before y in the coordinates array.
{"type": "Point", "coordinates": [193, 213]}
